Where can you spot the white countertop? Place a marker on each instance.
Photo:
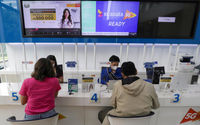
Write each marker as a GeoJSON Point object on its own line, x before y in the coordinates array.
{"type": "Point", "coordinates": [189, 97]}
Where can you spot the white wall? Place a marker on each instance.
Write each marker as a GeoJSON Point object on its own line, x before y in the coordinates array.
{"type": "Point", "coordinates": [103, 52]}
{"type": "Point", "coordinates": [135, 53]}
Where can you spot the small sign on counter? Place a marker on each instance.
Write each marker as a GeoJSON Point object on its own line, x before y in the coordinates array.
{"type": "Point", "coordinates": [176, 98]}
{"type": "Point", "coordinates": [72, 85]}
{"type": "Point", "coordinates": [95, 97]}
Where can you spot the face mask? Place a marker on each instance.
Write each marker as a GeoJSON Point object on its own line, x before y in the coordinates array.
{"type": "Point", "coordinates": [114, 67]}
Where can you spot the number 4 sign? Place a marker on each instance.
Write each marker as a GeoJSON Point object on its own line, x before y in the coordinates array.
{"type": "Point", "coordinates": [95, 97]}
{"type": "Point", "coordinates": [191, 116]}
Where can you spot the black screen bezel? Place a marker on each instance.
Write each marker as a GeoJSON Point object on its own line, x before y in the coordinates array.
{"type": "Point", "coordinates": [193, 31]}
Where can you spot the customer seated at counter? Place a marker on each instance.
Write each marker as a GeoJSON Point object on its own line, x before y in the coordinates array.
{"type": "Point", "coordinates": [57, 68]}
{"type": "Point", "coordinates": [131, 96]}
{"type": "Point", "coordinates": [112, 72]}
{"type": "Point", "coordinates": [39, 92]}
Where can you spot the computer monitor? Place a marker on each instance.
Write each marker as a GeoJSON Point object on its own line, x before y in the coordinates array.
{"type": "Point", "coordinates": [111, 83]}
{"type": "Point", "coordinates": [157, 71]}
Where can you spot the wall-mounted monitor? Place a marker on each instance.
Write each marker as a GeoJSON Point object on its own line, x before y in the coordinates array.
{"type": "Point", "coordinates": [107, 18]}
{"type": "Point", "coordinates": [110, 18]}
{"type": "Point", "coordinates": [167, 19]}
{"type": "Point", "coordinates": [51, 18]}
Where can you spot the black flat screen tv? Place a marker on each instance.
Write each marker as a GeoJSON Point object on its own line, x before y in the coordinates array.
{"type": "Point", "coordinates": [167, 19]}
{"type": "Point", "coordinates": [50, 18]}
{"type": "Point", "coordinates": [102, 18]}
{"type": "Point", "coordinates": [110, 18]}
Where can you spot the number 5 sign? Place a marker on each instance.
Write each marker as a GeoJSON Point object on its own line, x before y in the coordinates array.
{"type": "Point", "coordinates": [15, 96]}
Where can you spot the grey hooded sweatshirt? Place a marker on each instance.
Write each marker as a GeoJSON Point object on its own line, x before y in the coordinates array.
{"type": "Point", "coordinates": [133, 99]}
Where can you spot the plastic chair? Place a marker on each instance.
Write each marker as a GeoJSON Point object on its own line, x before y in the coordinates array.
{"type": "Point", "coordinates": [47, 121]}
{"type": "Point", "coordinates": [134, 120]}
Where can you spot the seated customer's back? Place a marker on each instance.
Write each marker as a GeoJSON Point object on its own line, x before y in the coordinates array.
{"type": "Point", "coordinates": [133, 97]}
{"type": "Point", "coordinates": [41, 94]}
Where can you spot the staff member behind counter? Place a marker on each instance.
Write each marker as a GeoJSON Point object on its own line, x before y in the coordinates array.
{"type": "Point", "coordinates": [131, 96]}
{"type": "Point", "coordinates": [57, 68]}
{"type": "Point", "coordinates": [112, 72]}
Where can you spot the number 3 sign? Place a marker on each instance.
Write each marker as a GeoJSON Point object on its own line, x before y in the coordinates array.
{"type": "Point", "coordinates": [176, 98]}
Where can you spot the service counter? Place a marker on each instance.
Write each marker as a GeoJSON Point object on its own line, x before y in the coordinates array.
{"type": "Point", "coordinates": [79, 110]}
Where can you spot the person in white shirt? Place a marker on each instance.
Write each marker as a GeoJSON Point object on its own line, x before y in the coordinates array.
{"type": "Point", "coordinates": [66, 21]}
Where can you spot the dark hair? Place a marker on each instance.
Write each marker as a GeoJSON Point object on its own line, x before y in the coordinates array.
{"type": "Point", "coordinates": [53, 58]}
{"type": "Point", "coordinates": [128, 68]}
{"type": "Point", "coordinates": [42, 69]}
{"type": "Point", "coordinates": [114, 58]}
{"type": "Point", "coordinates": [69, 17]}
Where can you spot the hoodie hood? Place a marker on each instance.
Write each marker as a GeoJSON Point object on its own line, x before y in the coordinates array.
{"type": "Point", "coordinates": [129, 80]}
{"type": "Point", "coordinates": [135, 88]}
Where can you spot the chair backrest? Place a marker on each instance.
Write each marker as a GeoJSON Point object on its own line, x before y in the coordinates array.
{"type": "Point", "coordinates": [134, 120]}
{"type": "Point", "coordinates": [47, 121]}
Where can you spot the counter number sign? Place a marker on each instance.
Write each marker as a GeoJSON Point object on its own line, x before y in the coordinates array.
{"type": "Point", "coordinates": [15, 96]}
{"type": "Point", "coordinates": [176, 98]}
{"type": "Point", "coordinates": [94, 98]}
